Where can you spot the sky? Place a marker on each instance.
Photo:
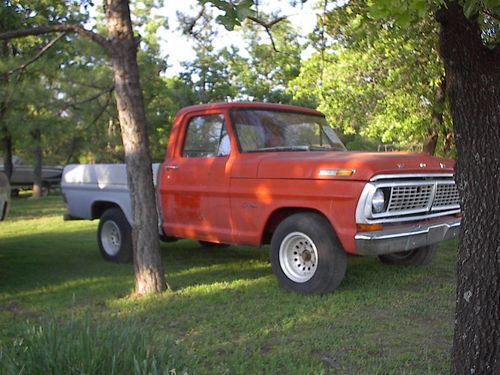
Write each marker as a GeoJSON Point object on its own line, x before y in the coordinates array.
{"type": "Point", "coordinates": [179, 48]}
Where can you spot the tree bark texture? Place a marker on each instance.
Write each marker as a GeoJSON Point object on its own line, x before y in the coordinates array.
{"type": "Point", "coordinates": [473, 88]}
{"type": "Point", "coordinates": [36, 135]}
{"type": "Point", "coordinates": [149, 274]}
{"type": "Point", "coordinates": [6, 137]}
{"type": "Point", "coordinates": [7, 148]}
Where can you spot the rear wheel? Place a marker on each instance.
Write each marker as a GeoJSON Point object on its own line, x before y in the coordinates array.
{"type": "Point", "coordinates": [45, 189]}
{"type": "Point", "coordinates": [114, 236]}
{"type": "Point", "coordinates": [417, 257]}
{"type": "Point", "coordinates": [306, 256]}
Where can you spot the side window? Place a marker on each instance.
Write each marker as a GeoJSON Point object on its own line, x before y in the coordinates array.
{"type": "Point", "coordinates": [206, 137]}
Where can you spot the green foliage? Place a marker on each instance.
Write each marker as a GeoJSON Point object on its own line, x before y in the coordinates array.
{"type": "Point", "coordinates": [373, 77]}
{"type": "Point", "coordinates": [268, 70]}
{"type": "Point", "coordinates": [66, 93]}
{"type": "Point", "coordinates": [261, 74]}
{"type": "Point", "coordinates": [209, 73]}
{"type": "Point", "coordinates": [234, 12]}
{"type": "Point", "coordinates": [404, 12]}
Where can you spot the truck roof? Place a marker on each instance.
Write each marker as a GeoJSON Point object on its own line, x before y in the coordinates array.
{"type": "Point", "coordinates": [253, 105]}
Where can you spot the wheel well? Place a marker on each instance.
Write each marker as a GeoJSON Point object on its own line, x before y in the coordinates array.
{"type": "Point", "coordinates": [99, 207]}
{"type": "Point", "coordinates": [281, 214]}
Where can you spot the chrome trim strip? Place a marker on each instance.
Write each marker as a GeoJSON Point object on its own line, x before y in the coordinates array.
{"type": "Point", "coordinates": [396, 219]}
{"type": "Point", "coordinates": [416, 175]}
{"type": "Point", "coordinates": [406, 238]}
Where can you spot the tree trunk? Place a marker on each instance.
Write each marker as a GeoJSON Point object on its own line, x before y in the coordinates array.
{"type": "Point", "coordinates": [36, 134]}
{"type": "Point", "coordinates": [6, 137]}
{"type": "Point", "coordinates": [448, 142]}
{"type": "Point", "coordinates": [430, 143]}
{"type": "Point", "coordinates": [7, 150]}
{"type": "Point", "coordinates": [473, 76]}
{"type": "Point", "coordinates": [149, 274]}
{"type": "Point", "coordinates": [436, 118]}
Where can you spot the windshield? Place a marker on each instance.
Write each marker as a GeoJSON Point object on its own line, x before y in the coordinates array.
{"type": "Point", "coordinates": [264, 130]}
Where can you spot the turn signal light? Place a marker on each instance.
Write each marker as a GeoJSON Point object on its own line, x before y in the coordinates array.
{"type": "Point", "coordinates": [336, 172]}
{"type": "Point", "coordinates": [369, 227]}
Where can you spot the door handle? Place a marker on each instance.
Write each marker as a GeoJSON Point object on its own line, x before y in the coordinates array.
{"type": "Point", "coordinates": [171, 167]}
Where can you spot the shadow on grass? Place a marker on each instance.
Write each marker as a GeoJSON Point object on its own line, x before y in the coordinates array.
{"type": "Point", "coordinates": [374, 323]}
{"type": "Point", "coordinates": [23, 208]}
{"type": "Point", "coordinates": [228, 313]}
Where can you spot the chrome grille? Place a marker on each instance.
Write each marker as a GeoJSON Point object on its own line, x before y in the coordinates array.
{"type": "Point", "coordinates": [408, 198]}
{"type": "Point", "coordinates": [446, 195]}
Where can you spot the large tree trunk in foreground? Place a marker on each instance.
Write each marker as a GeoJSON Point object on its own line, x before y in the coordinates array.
{"type": "Point", "coordinates": [149, 275]}
{"type": "Point", "coordinates": [473, 87]}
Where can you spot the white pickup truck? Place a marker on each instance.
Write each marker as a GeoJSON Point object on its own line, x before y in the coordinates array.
{"type": "Point", "coordinates": [100, 191]}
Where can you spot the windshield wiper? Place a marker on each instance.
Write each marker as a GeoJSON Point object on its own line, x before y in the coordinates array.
{"type": "Point", "coordinates": [325, 148]}
{"type": "Point", "coordinates": [281, 148]}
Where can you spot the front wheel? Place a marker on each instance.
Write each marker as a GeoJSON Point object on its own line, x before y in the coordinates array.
{"type": "Point", "coordinates": [417, 257]}
{"type": "Point", "coordinates": [114, 236]}
{"type": "Point", "coordinates": [306, 256]}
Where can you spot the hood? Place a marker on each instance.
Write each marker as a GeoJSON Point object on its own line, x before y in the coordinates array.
{"type": "Point", "coordinates": [306, 165]}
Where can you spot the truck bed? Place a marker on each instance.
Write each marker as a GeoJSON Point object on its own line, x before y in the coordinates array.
{"type": "Point", "coordinates": [83, 185]}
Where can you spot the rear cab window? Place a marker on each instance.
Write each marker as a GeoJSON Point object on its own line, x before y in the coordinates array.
{"type": "Point", "coordinates": [206, 137]}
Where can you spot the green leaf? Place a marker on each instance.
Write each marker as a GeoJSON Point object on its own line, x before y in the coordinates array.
{"type": "Point", "coordinates": [228, 21]}
{"type": "Point", "coordinates": [471, 7]}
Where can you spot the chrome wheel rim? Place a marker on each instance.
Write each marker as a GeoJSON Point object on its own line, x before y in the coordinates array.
{"type": "Point", "coordinates": [111, 238]}
{"type": "Point", "coordinates": [298, 257]}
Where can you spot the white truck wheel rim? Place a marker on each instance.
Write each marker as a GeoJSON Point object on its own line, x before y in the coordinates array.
{"type": "Point", "coordinates": [298, 257]}
{"type": "Point", "coordinates": [111, 238]}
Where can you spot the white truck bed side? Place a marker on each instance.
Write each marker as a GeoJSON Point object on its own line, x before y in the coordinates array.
{"type": "Point", "coordinates": [84, 185]}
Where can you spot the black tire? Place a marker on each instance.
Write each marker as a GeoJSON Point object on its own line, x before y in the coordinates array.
{"type": "Point", "coordinates": [45, 189]}
{"type": "Point", "coordinates": [213, 245]}
{"type": "Point", "coordinates": [306, 256]}
{"type": "Point", "coordinates": [3, 210]}
{"type": "Point", "coordinates": [114, 236]}
{"type": "Point", "coordinates": [417, 257]}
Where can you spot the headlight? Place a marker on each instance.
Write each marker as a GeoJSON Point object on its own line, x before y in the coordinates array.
{"type": "Point", "coordinates": [378, 202]}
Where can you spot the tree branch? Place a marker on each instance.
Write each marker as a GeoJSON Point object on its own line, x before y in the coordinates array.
{"type": "Point", "coordinates": [72, 28]}
{"type": "Point", "coordinates": [492, 15]}
{"type": "Point", "coordinates": [75, 105]}
{"type": "Point", "coordinates": [102, 110]}
{"type": "Point", "coordinates": [40, 53]}
{"type": "Point", "coordinates": [189, 27]}
{"type": "Point", "coordinates": [267, 26]}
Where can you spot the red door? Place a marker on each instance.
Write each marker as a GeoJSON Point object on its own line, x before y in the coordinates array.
{"type": "Point", "coordinates": [195, 182]}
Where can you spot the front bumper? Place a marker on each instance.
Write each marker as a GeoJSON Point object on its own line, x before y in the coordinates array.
{"type": "Point", "coordinates": [407, 237]}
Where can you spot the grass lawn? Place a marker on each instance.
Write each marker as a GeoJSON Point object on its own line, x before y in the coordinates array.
{"type": "Point", "coordinates": [64, 310]}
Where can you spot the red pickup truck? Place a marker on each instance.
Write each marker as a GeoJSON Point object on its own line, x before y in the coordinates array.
{"type": "Point", "coordinates": [258, 173]}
